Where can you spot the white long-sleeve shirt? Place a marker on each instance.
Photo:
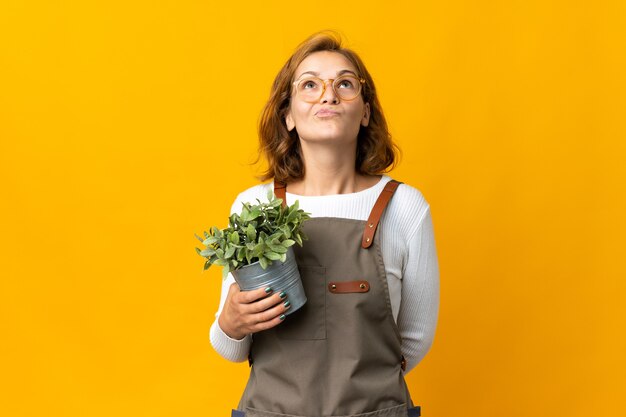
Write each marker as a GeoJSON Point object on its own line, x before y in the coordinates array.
{"type": "Point", "coordinates": [409, 254]}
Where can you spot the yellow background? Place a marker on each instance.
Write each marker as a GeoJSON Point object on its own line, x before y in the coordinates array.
{"type": "Point", "coordinates": [126, 127]}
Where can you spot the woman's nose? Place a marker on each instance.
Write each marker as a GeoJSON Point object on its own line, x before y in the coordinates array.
{"type": "Point", "coordinates": [329, 93]}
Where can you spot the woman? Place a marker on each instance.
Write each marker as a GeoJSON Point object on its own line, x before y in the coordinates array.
{"type": "Point", "coordinates": [369, 267]}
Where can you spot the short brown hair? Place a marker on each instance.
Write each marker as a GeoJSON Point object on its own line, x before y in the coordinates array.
{"type": "Point", "coordinates": [376, 152]}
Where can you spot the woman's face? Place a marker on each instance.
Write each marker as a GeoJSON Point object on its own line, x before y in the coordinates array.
{"type": "Point", "coordinates": [329, 119]}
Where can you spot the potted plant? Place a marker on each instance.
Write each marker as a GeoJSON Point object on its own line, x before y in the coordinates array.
{"type": "Point", "coordinates": [256, 248]}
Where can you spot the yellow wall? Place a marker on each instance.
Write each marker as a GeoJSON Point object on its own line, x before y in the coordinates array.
{"type": "Point", "coordinates": [127, 126]}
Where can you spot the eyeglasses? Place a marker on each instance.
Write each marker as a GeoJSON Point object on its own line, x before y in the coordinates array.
{"type": "Point", "coordinates": [346, 87]}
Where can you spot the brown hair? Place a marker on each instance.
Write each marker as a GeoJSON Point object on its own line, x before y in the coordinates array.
{"type": "Point", "coordinates": [376, 152]}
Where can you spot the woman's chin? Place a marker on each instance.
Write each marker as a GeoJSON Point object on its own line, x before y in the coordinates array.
{"type": "Point", "coordinates": [330, 136]}
{"type": "Point", "coordinates": [327, 140]}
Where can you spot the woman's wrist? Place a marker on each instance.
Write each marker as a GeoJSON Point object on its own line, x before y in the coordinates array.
{"type": "Point", "coordinates": [228, 330]}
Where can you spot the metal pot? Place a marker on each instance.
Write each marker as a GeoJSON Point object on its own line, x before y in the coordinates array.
{"type": "Point", "coordinates": [280, 276]}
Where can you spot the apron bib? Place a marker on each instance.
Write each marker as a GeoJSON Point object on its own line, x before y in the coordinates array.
{"type": "Point", "coordinates": [339, 355]}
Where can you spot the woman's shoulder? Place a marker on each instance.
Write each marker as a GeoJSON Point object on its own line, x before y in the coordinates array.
{"type": "Point", "coordinates": [408, 207]}
{"type": "Point", "coordinates": [411, 195]}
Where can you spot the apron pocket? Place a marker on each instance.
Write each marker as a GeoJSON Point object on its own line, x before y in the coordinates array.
{"type": "Point", "coordinates": [309, 322]}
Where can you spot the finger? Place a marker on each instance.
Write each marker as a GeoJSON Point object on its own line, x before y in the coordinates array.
{"type": "Point", "coordinates": [251, 296]}
{"type": "Point", "coordinates": [269, 323]}
{"type": "Point", "coordinates": [266, 303]}
{"type": "Point", "coordinates": [273, 312]}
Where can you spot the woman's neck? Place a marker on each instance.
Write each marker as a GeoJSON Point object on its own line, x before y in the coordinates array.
{"type": "Point", "coordinates": [329, 173]}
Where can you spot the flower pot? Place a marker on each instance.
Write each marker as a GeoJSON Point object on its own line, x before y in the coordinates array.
{"type": "Point", "coordinates": [279, 276]}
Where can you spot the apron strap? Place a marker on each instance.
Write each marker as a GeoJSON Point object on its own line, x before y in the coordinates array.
{"type": "Point", "coordinates": [377, 212]}
{"type": "Point", "coordinates": [280, 191]}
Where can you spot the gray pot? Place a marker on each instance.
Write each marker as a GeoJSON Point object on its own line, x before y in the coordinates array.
{"type": "Point", "coordinates": [280, 276]}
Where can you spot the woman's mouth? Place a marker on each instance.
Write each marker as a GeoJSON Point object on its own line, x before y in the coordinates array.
{"type": "Point", "coordinates": [326, 113]}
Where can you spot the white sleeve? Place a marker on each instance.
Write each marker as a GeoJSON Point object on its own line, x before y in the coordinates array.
{"type": "Point", "coordinates": [419, 306]}
{"type": "Point", "coordinates": [231, 349]}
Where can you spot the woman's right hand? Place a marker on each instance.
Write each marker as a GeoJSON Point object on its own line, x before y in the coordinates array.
{"type": "Point", "coordinates": [246, 312]}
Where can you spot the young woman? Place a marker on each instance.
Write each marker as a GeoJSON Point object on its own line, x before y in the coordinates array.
{"type": "Point", "coordinates": [369, 268]}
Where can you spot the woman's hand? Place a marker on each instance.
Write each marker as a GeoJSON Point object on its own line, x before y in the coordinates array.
{"type": "Point", "coordinates": [246, 312]}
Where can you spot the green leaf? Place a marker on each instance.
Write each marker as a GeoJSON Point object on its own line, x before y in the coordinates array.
{"type": "Point", "coordinates": [288, 242]}
{"type": "Point", "coordinates": [258, 249]}
{"type": "Point", "coordinates": [234, 237]}
{"type": "Point", "coordinates": [283, 257]}
{"type": "Point", "coordinates": [272, 255]}
{"type": "Point", "coordinates": [278, 248]}
{"type": "Point", "coordinates": [221, 262]}
{"type": "Point", "coordinates": [298, 239]}
{"type": "Point", "coordinates": [220, 253]}
{"type": "Point", "coordinates": [207, 264]}
{"type": "Point", "coordinates": [251, 233]}
{"type": "Point", "coordinates": [207, 252]}
{"type": "Point", "coordinates": [256, 212]}
{"type": "Point", "coordinates": [285, 229]}
{"type": "Point", "coordinates": [198, 237]}
{"type": "Point", "coordinates": [230, 251]}
{"type": "Point", "coordinates": [264, 263]}
{"type": "Point", "coordinates": [244, 214]}
{"type": "Point", "coordinates": [210, 240]}
{"type": "Point", "coordinates": [274, 237]}
{"type": "Point", "coordinates": [292, 216]}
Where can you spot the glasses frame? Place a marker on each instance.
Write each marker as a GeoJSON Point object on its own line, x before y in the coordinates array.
{"type": "Point", "coordinates": [332, 80]}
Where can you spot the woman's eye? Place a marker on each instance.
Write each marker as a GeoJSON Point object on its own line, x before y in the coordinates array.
{"type": "Point", "coordinates": [309, 84]}
{"type": "Point", "coordinates": [346, 84]}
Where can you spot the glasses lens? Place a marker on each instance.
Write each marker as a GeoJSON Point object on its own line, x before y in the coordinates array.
{"type": "Point", "coordinates": [310, 89]}
{"type": "Point", "coordinates": [347, 87]}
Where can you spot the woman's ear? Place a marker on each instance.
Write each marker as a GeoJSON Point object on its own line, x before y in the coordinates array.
{"type": "Point", "coordinates": [366, 115]}
{"type": "Point", "coordinates": [289, 121]}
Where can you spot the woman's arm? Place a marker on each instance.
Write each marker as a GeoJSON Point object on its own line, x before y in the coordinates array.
{"type": "Point", "coordinates": [419, 306]}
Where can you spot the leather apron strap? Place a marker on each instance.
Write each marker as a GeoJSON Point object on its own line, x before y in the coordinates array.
{"type": "Point", "coordinates": [280, 191]}
{"type": "Point", "coordinates": [377, 212]}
